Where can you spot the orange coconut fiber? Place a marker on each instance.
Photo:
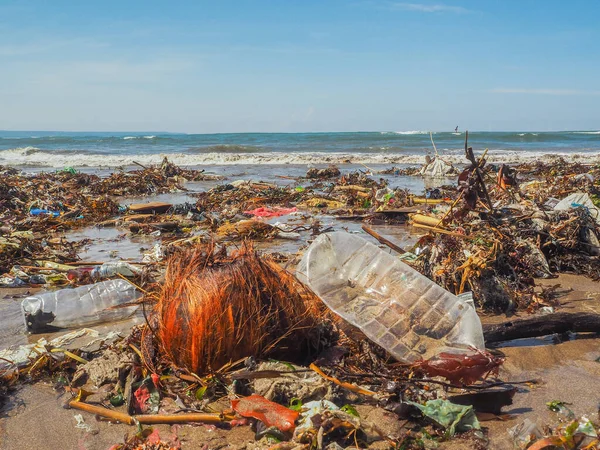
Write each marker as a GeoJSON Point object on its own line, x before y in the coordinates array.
{"type": "Point", "coordinates": [214, 309]}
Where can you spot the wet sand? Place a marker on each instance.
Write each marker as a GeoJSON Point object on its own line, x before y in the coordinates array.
{"type": "Point", "coordinates": [568, 371]}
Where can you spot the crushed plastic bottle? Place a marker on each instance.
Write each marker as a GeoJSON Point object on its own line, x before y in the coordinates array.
{"type": "Point", "coordinates": [110, 269]}
{"type": "Point", "coordinates": [82, 306]}
{"type": "Point", "coordinates": [394, 305]}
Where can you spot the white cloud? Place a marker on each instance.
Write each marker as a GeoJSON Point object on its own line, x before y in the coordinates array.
{"type": "Point", "coordinates": [543, 91]}
{"type": "Point", "coordinates": [428, 8]}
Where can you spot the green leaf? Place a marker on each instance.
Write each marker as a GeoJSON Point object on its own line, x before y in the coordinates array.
{"type": "Point", "coordinates": [200, 393]}
{"type": "Point", "coordinates": [349, 409]}
{"type": "Point", "coordinates": [272, 439]}
{"type": "Point", "coordinates": [296, 404]}
{"type": "Point", "coordinates": [555, 405]}
{"type": "Point", "coordinates": [561, 408]}
{"type": "Point", "coordinates": [117, 400]}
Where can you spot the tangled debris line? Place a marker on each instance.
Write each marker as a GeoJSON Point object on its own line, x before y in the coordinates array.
{"type": "Point", "coordinates": [498, 234]}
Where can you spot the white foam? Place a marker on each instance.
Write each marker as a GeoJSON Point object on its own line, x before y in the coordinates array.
{"type": "Point", "coordinates": [127, 138]}
{"type": "Point", "coordinates": [31, 156]}
{"type": "Point", "coordinates": [586, 132]}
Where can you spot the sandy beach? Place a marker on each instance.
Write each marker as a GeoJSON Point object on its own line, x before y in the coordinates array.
{"type": "Point", "coordinates": [564, 367]}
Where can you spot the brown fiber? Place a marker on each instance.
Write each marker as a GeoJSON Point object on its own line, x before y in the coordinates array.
{"type": "Point", "coordinates": [215, 308]}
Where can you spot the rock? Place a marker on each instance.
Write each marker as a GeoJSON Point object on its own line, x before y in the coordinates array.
{"type": "Point", "coordinates": [334, 446]}
{"type": "Point", "coordinates": [379, 424]}
{"type": "Point", "coordinates": [102, 370]}
{"type": "Point", "coordinates": [306, 386]}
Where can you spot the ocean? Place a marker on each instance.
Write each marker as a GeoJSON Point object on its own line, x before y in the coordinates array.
{"type": "Point", "coordinates": [114, 149]}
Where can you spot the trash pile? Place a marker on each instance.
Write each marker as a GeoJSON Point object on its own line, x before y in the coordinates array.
{"type": "Point", "coordinates": [500, 233]}
{"type": "Point", "coordinates": [233, 339]}
{"type": "Point", "coordinates": [358, 347]}
{"type": "Point", "coordinates": [68, 199]}
{"type": "Point", "coordinates": [36, 209]}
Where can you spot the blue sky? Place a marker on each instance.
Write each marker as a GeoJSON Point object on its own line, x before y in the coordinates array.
{"type": "Point", "coordinates": [312, 65]}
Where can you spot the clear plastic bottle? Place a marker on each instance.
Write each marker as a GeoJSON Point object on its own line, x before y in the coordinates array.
{"type": "Point", "coordinates": [82, 306]}
{"type": "Point", "coordinates": [394, 305]}
{"type": "Point", "coordinates": [110, 269]}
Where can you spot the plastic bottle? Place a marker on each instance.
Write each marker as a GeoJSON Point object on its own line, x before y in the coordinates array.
{"type": "Point", "coordinates": [110, 269]}
{"type": "Point", "coordinates": [82, 306]}
{"type": "Point", "coordinates": [394, 305]}
{"type": "Point", "coordinates": [41, 212]}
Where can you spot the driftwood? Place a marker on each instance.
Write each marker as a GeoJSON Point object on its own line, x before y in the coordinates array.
{"type": "Point", "coordinates": [561, 322]}
{"type": "Point", "coordinates": [383, 240]}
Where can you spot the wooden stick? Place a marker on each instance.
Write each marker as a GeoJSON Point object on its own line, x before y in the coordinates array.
{"type": "Point", "coordinates": [383, 240]}
{"type": "Point", "coordinates": [349, 386]}
{"type": "Point", "coordinates": [450, 210]}
{"type": "Point", "coordinates": [433, 143]}
{"type": "Point", "coordinates": [440, 230]}
{"type": "Point", "coordinates": [138, 164]}
{"type": "Point", "coordinates": [471, 157]}
{"type": "Point", "coordinates": [547, 324]}
{"type": "Point", "coordinates": [147, 419]}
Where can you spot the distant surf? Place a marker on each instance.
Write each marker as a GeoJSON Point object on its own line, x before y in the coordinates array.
{"type": "Point", "coordinates": [60, 149]}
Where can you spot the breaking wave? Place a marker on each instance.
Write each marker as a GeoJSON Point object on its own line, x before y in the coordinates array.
{"type": "Point", "coordinates": [128, 138]}
{"type": "Point", "coordinates": [226, 148]}
{"type": "Point", "coordinates": [407, 133]}
{"type": "Point", "coordinates": [34, 157]}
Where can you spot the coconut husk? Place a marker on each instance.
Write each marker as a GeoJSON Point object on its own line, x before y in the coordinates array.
{"type": "Point", "coordinates": [214, 309]}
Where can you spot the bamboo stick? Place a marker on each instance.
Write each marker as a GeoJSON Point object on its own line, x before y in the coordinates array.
{"type": "Point", "coordinates": [428, 201]}
{"type": "Point", "coordinates": [148, 419]}
{"type": "Point", "coordinates": [440, 230]}
{"type": "Point", "coordinates": [426, 220]}
{"type": "Point", "coordinates": [103, 412]}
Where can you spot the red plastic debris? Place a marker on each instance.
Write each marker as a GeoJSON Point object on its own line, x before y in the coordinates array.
{"type": "Point", "coordinates": [462, 368]}
{"type": "Point", "coordinates": [271, 212]}
{"type": "Point", "coordinates": [141, 396]}
{"type": "Point", "coordinates": [268, 412]}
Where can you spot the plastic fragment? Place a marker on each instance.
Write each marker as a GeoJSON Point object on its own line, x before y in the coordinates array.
{"type": "Point", "coordinates": [270, 413]}
{"type": "Point", "coordinates": [449, 415]}
{"type": "Point", "coordinates": [270, 212]}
